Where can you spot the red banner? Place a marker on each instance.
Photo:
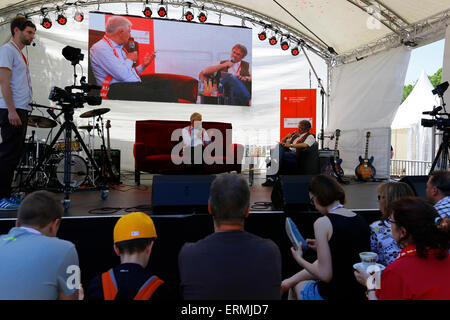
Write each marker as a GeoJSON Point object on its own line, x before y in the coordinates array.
{"type": "Point", "coordinates": [297, 105]}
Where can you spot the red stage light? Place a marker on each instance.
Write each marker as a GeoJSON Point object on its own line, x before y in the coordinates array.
{"type": "Point", "coordinates": [189, 16]}
{"type": "Point", "coordinates": [62, 20]}
{"type": "Point", "coordinates": [202, 17]}
{"type": "Point", "coordinates": [284, 45]}
{"type": "Point", "coordinates": [273, 41]}
{"type": "Point", "coordinates": [46, 23]}
{"type": "Point", "coordinates": [262, 36]}
{"type": "Point", "coordinates": [295, 51]}
{"type": "Point", "coordinates": [162, 12]}
{"type": "Point", "coordinates": [79, 17]}
{"type": "Point", "coordinates": [147, 12]}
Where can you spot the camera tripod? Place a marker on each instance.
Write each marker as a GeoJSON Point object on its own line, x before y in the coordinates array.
{"type": "Point", "coordinates": [442, 152]}
{"type": "Point", "coordinates": [68, 127]}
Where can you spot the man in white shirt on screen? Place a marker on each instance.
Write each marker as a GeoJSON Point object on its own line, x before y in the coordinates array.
{"type": "Point", "coordinates": [239, 76]}
{"type": "Point", "coordinates": [110, 61]}
{"type": "Point", "coordinates": [195, 139]}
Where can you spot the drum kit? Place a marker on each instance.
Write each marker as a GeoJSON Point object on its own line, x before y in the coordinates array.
{"type": "Point", "coordinates": [45, 164]}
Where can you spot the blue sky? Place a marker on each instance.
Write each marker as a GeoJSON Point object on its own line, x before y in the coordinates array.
{"type": "Point", "coordinates": [428, 58]}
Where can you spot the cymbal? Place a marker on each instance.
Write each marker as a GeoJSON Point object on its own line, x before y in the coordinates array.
{"type": "Point", "coordinates": [88, 127]}
{"type": "Point", "coordinates": [41, 122]}
{"type": "Point", "coordinates": [94, 113]}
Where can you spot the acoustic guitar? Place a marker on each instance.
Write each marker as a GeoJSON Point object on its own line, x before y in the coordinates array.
{"type": "Point", "coordinates": [365, 171]}
{"type": "Point", "coordinates": [333, 165]}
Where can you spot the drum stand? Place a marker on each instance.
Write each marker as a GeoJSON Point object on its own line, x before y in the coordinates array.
{"type": "Point", "coordinates": [68, 127]}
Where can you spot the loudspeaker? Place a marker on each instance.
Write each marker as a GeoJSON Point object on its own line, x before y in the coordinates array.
{"type": "Point", "coordinates": [181, 194]}
{"type": "Point", "coordinates": [418, 184]}
{"type": "Point", "coordinates": [291, 193]}
{"type": "Point", "coordinates": [115, 158]}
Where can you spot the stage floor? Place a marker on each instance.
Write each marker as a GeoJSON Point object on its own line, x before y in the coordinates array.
{"type": "Point", "coordinates": [128, 197]}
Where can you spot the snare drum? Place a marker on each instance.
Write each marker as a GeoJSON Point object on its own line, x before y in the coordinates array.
{"type": "Point", "coordinates": [60, 145]}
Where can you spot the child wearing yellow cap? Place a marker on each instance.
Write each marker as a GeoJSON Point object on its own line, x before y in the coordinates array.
{"type": "Point", "coordinates": [134, 236]}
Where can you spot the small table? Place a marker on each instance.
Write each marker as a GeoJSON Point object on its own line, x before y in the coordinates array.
{"type": "Point", "coordinates": [251, 168]}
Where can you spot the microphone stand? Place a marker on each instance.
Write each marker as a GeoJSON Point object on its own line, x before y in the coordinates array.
{"type": "Point", "coordinates": [322, 93]}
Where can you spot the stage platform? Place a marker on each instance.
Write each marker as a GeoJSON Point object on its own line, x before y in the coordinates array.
{"type": "Point", "coordinates": [129, 197]}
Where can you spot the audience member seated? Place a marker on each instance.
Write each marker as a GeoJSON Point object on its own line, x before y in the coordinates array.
{"type": "Point", "coordinates": [438, 192]}
{"type": "Point", "coordinates": [421, 272]}
{"type": "Point", "coordinates": [340, 235]}
{"type": "Point", "coordinates": [381, 240]}
{"type": "Point", "coordinates": [297, 153]}
{"type": "Point", "coordinates": [34, 263]}
{"type": "Point", "coordinates": [134, 236]}
{"type": "Point", "coordinates": [230, 263]}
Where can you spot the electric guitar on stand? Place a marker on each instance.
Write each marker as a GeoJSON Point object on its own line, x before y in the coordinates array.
{"type": "Point", "coordinates": [333, 165]}
{"type": "Point", "coordinates": [113, 174]}
{"type": "Point", "coordinates": [365, 171]}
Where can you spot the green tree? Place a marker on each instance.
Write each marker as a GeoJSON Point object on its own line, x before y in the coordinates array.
{"type": "Point", "coordinates": [435, 79]}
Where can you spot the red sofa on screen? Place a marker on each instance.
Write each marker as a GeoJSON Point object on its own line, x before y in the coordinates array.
{"type": "Point", "coordinates": [153, 147]}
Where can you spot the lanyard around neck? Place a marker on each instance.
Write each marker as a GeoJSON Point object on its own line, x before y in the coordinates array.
{"type": "Point", "coordinates": [108, 41]}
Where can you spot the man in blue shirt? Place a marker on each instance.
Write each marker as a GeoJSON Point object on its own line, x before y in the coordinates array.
{"type": "Point", "coordinates": [438, 192]}
{"type": "Point", "coordinates": [35, 264]}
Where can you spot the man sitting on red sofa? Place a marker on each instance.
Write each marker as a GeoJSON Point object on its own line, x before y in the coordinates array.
{"type": "Point", "coordinates": [195, 139]}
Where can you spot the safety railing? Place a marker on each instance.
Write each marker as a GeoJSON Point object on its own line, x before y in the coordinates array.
{"type": "Point", "coordinates": [400, 168]}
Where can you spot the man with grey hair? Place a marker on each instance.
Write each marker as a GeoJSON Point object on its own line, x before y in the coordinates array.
{"type": "Point", "coordinates": [110, 61]}
{"type": "Point", "coordinates": [230, 264]}
{"type": "Point", "coordinates": [238, 80]}
{"type": "Point", "coordinates": [35, 264]}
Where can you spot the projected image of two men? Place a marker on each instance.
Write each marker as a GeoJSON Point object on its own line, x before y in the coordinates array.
{"type": "Point", "coordinates": [142, 59]}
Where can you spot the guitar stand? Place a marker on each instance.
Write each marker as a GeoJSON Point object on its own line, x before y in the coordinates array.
{"type": "Point", "coordinates": [68, 127]}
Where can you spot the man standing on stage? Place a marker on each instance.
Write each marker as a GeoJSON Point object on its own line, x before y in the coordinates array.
{"type": "Point", "coordinates": [110, 61]}
{"type": "Point", "coordinates": [16, 93]}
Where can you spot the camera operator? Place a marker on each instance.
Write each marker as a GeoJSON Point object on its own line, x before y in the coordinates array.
{"type": "Point", "coordinates": [16, 93]}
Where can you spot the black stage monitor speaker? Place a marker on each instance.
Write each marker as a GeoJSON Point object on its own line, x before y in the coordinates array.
{"type": "Point", "coordinates": [418, 184]}
{"type": "Point", "coordinates": [181, 194]}
{"type": "Point", "coordinates": [291, 193]}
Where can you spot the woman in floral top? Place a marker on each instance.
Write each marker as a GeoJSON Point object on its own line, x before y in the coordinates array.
{"type": "Point", "coordinates": [381, 240]}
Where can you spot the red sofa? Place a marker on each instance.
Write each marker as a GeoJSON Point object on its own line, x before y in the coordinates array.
{"type": "Point", "coordinates": [153, 147]}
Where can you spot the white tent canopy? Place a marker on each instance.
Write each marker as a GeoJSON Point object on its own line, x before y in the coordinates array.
{"type": "Point", "coordinates": [419, 100]}
{"type": "Point", "coordinates": [350, 27]}
{"type": "Point", "coordinates": [418, 139]}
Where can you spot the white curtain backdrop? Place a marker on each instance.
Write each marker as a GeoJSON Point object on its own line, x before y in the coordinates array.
{"type": "Point", "coordinates": [364, 97]}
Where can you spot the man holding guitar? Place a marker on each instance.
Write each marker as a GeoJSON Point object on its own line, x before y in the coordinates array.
{"type": "Point", "coordinates": [289, 149]}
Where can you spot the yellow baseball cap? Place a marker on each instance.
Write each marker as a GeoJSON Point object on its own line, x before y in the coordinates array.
{"type": "Point", "coordinates": [135, 225]}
